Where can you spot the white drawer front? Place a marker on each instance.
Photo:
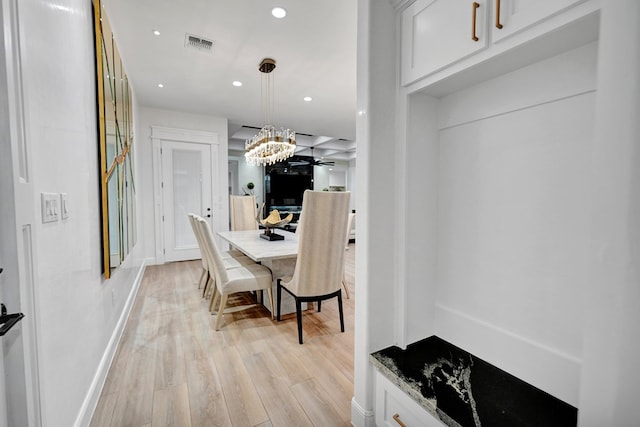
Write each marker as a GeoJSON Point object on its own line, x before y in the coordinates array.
{"type": "Point", "coordinates": [392, 402]}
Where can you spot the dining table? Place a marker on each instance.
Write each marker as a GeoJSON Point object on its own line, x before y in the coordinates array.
{"type": "Point", "coordinates": [278, 255]}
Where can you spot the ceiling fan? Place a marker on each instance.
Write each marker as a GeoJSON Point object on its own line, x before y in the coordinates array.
{"type": "Point", "coordinates": [314, 162]}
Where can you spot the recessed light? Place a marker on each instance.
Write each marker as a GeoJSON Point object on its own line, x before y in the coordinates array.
{"type": "Point", "coordinates": [160, 85]}
{"type": "Point", "coordinates": [279, 12]}
{"type": "Point", "coordinates": [156, 32]}
{"type": "Point", "coordinates": [307, 98]}
{"type": "Point", "coordinates": [237, 83]}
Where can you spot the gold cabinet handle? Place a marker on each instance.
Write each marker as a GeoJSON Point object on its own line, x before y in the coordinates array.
{"type": "Point", "coordinates": [397, 419]}
{"type": "Point", "coordinates": [498, 24]}
{"type": "Point", "coordinates": [476, 5]}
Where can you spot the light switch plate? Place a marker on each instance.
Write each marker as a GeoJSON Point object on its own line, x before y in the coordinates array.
{"type": "Point", "coordinates": [50, 207]}
{"type": "Point", "coordinates": [64, 206]}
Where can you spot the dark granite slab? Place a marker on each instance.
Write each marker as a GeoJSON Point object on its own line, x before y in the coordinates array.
{"type": "Point", "coordinates": [463, 390]}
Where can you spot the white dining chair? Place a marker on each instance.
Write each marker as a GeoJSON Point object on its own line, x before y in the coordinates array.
{"type": "Point", "coordinates": [318, 273]}
{"type": "Point", "coordinates": [231, 258]}
{"type": "Point", "coordinates": [204, 276]}
{"type": "Point", "coordinates": [243, 211]}
{"type": "Point", "coordinates": [230, 280]}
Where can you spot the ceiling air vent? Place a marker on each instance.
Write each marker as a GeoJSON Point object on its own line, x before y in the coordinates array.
{"type": "Point", "coordinates": [198, 43]}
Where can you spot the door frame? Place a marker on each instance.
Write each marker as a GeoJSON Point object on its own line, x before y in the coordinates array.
{"type": "Point", "coordinates": [18, 217]}
{"type": "Point", "coordinates": [219, 198]}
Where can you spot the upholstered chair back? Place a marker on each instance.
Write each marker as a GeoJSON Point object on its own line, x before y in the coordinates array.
{"type": "Point", "coordinates": [323, 226]}
{"type": "Point", "coordinates": [214, 256]}
{"type": "Point", "coordinates": [242, 210]}
{"type": "Point", "coordinates": [196, 231]}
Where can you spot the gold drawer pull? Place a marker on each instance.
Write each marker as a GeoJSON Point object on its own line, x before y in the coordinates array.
{"type": "Point", "coordinates": [397, 419]}
{"type": "Point", "coordinates": [474, 37]}
{"type": "Point", "coordinates": [498, 24]}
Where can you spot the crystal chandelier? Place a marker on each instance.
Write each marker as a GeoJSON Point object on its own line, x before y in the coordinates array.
{"type": "Point", "coordinates": [269, 145]}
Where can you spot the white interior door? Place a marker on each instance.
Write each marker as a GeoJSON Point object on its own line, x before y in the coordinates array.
{"type": "Point", "coordinates": [19, 390]}
{"type": "Point", "coordinates": [186, 188]}
{"type": "Point", "coordinates": [13, 399]}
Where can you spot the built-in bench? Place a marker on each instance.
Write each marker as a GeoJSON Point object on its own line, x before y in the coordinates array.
{"type": "Point", "coordinates": [463, 390]}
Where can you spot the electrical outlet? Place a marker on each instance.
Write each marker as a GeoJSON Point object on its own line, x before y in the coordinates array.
{"type": "Point", "coordinates": [50, 204]}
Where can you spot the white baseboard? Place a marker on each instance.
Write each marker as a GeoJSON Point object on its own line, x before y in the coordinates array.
{"type": "Point", "coordinates": [93, 395]}
{"type": "Point", "coordinates": [547, 368]}
{"type": "Point", "coordinates": [361, 417]}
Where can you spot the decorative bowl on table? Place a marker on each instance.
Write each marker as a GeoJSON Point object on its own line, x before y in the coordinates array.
{"type": "Point", "coordinates": [271, 222]}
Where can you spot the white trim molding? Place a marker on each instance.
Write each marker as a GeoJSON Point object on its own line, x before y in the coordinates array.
{"type": "Point", "coordinates": [361, 417]}
{"type": "Point", "coordinates": [159, 134]}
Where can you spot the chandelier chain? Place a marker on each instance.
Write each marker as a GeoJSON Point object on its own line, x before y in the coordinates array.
{"type": "Point", "coordinates": [269, 145]}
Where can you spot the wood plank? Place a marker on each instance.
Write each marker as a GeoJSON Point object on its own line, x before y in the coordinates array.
{"type": "Point", "coordinates": [243, 402]}
{"type": "Point", "coordinates": [207, 402]}
{"type": "Point", "coordinates": [134, 405]}
{"type": "Point", "coordinates": [317, 404]}
{"type": "Point", "coordinates": [329, 377]}
{"type": "Point", "coordinates": [104, 411]}
{"type": "Point", "coordinates": [171, 407]}
{"type": "Point", "coordinates": [272, 385]}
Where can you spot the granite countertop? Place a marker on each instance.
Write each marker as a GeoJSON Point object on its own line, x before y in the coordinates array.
{"type": "Point", "coordinates": [463, 390]}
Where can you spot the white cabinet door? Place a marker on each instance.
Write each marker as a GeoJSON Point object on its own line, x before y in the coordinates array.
{"type": "Point", "coordinates": [437, 33]}
{"type": "Point", "coordinates": [516, 15]}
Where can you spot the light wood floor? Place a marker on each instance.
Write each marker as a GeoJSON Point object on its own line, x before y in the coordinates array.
{"type": "Point", "coordinates": [173, 369]}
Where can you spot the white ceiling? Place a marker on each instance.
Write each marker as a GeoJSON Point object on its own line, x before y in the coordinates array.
{"type": "Point", "coordinates": [314, 47]}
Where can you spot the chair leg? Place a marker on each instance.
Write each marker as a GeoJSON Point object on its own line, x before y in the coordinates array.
{"type": "Point", "coordinates": [206, 286]}
{"type": "Point", "coordinates": [299, 319]}
{"type": "Point", "coordinates": [214, 299]}
{"type": "Point", "coordinates": [203, 275]}
{"type": "Point", "coordinates": [340, 310]}
{"type": "Point", "coordinates": [279, 296]}
{"type": "Point", "coordinates": [319, 305]}
{"type": "Point", "coordinates": [223, 303]}
{"type": "Point", "coordinates": [270, 294]}
{"type": "Point", "coordinates": [211, 281]}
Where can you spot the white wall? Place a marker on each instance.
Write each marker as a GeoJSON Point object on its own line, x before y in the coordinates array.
{"type": "Point", "coordinates": [513, 219]}
{"type": "Point", "coordinates": [249, 173]}
{"type": "Point", "coordinates": [351, 183]}
{"type": "Point", "coordinates": [322, 176]}
{"type": "Point", "coordinates": [77, 311]}
{"type": "Point", "coordinates": [376, 186]}
{"type": "Point", "coordinates": [611, 350]}
{"type": "Point", "coordinates": [148, 117]}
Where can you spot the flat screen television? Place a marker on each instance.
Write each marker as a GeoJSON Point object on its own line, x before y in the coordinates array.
{"type": "Point", "coordinates": [284, 189]}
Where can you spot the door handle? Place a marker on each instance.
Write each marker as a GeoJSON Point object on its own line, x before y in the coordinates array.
{"type": "Point", "coordinates": [498, 24]}
{"type": "Point", "coordinates": [8, 321]}
{"type": "Point", "coordinates": [474, 37]}
{"type": "Point", "coordinates": [396, 418]}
